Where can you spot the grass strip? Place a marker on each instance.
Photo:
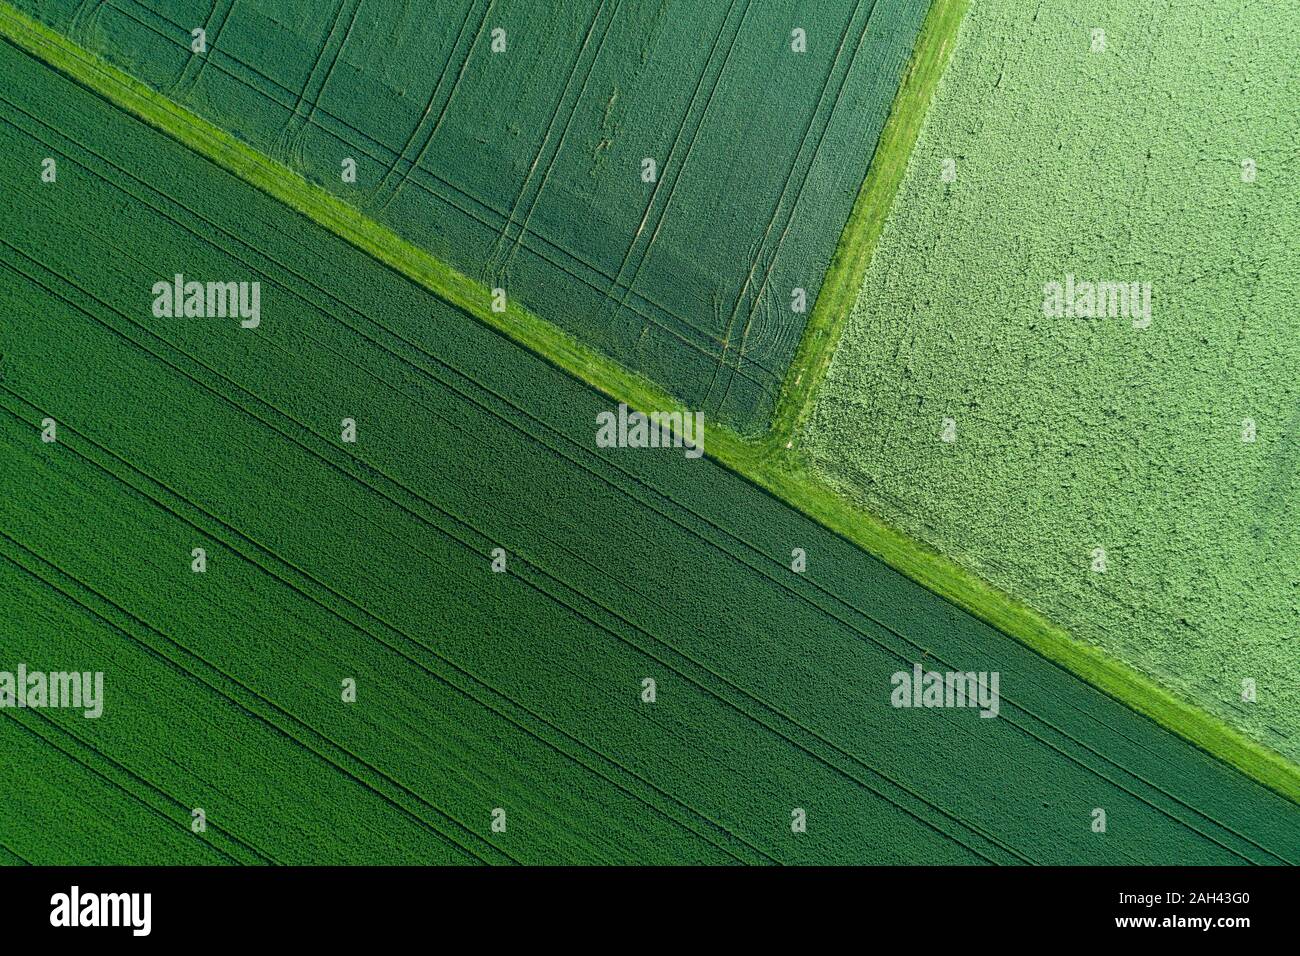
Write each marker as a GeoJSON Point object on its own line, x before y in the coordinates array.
{"type": "Point", "coordinates": [767, 462]}
{"type": "Point", "coordinates": [848, 266]}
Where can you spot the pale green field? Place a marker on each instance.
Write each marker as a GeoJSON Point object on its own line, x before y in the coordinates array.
{"type": "Point", "coordinates": [1073, 434]}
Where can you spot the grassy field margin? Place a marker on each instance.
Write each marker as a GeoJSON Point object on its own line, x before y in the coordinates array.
{"type": "Point", "coordinates": [767, 463]}
{"type": "Point", "coordinates": [848, 266]}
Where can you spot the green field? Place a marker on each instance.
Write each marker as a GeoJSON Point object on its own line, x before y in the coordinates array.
{"type": "Point", "coordinates": [1127, 164]}
{"type": "Point", "coordinates": [523, 167]}
{"type": "Point", "coordinates": [372, 561]}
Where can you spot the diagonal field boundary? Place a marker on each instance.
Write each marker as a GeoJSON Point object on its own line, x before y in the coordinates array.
{"type": "Point", "coordinates": [769, 462]}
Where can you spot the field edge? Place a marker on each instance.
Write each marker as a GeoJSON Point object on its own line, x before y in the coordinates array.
{"type": "Point", "coordinates": [875, 199]}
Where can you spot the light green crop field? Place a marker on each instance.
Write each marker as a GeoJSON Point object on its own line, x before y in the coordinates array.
{"type": "Point", "coordinates": [1134, 480]}
{"type": "Point", "coordinates": [510, 139]}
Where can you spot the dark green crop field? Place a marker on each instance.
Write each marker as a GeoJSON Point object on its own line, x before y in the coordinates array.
{"type": "Point", "coordinates": [510, 138]}
{"type": "Point", "coordinates": [517, 696]}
